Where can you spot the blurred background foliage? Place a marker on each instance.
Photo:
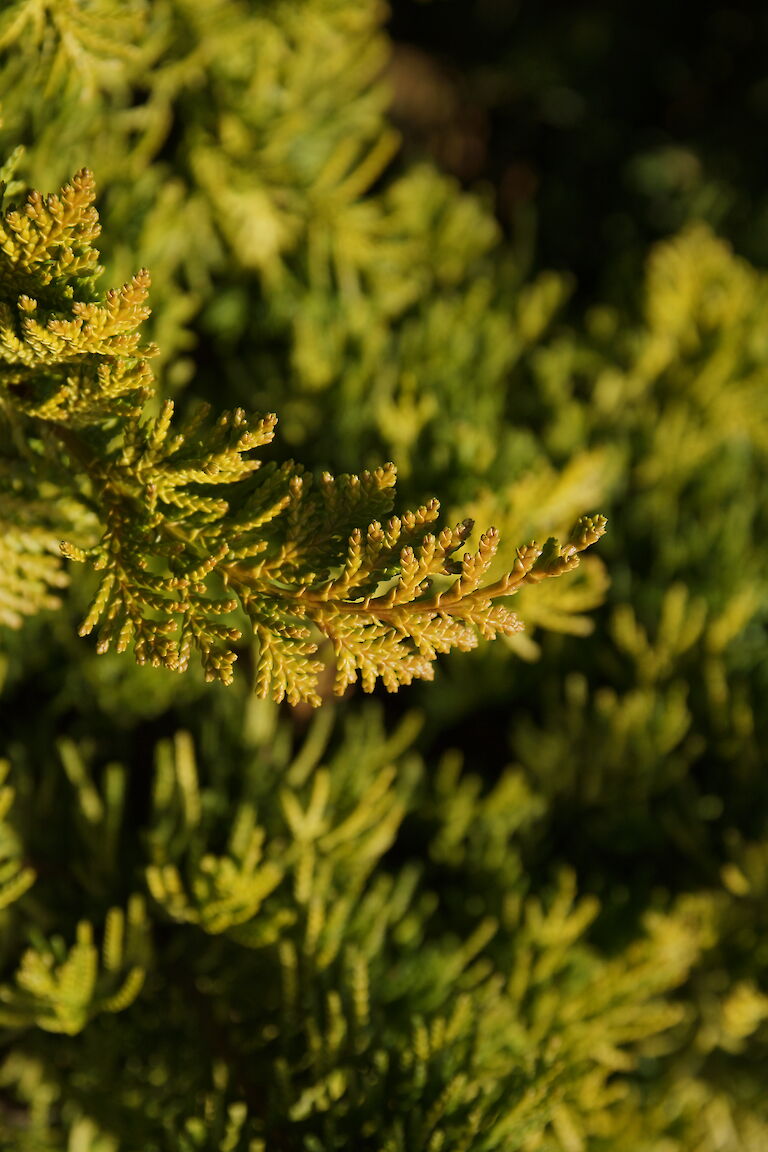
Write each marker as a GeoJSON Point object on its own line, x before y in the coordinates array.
{"type": "Point", "coordinates": [603, 128]}
{"type": "Point", "coordinates": [519, 250]}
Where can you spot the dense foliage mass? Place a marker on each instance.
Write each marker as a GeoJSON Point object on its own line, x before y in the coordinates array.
{"type": "Point", "coordinates": [529, 915]}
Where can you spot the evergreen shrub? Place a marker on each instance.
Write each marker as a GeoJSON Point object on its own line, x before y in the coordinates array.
{"type": "Point", "coordinates": [522, 907]}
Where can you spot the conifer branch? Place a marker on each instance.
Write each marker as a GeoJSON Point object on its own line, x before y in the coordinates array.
{"type": "Point", "coordinates": [193, 533]}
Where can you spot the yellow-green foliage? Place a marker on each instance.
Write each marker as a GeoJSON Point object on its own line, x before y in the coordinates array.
{"type": "Point", "coordinates": [654, 748]}
{"type": "Point", "coordinates": [311, 975]}
{"type": "Point", "coordinates": [60, 991]}
{"type": "Point", "coordinates": [15, 876]}
{"type": "Point", "coordinates": [346, 946]}
{"type": "Point", "coordinates": [299, 559]}
{"type": "Point", "coordinates": [681, 394]}
{"type": "Point", "coordinates": [369, 298]}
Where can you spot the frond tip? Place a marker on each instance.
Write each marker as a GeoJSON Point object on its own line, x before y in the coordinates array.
{"type": "Point", "coordinates": [62, 994]}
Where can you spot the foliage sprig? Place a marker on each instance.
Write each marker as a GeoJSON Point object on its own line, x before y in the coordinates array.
{"type": "Point", "coordinates": [191, 531]}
